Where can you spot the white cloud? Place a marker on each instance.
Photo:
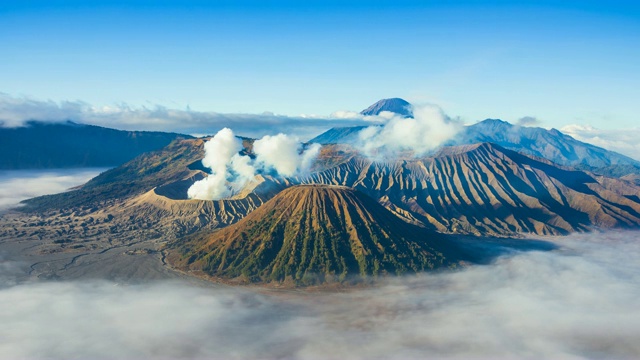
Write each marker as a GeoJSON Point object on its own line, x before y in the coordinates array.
{"type": "Point", "coordinates": [18, 185]}
{"type": "Point", "coordinates": [347, 114]}
{"type": "Point", "coordinates": [528, 121]}
{"type": "Point", "coordinates": [576, 302]}
{"type": "Point", "coordinates": [426, 131]}
{"type": "Point", "coordinates": [16, 111]}
{"type": "Point", "coordinates": [624, 141]}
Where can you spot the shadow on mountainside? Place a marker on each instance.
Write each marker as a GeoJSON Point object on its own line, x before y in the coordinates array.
{"type": "Point", "coordinates": [486, 249]}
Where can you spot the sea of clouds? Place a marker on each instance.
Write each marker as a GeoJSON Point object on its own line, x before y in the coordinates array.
{"type": "Point", "coordinates": [18, 185]}
{"type": "Point", "coordinates": [578, 301]}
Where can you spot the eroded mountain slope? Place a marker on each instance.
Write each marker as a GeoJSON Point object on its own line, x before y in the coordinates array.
{"type": "Point", "coordinates": [486, 189]}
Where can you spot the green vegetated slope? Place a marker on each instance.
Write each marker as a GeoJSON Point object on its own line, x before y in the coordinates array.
{"type": "Point", "coordinates": [310, 235]}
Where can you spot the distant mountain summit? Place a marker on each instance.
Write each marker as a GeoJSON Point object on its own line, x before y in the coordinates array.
{"type": "Point", "coordinates": [394, 105]}
{"type": "Point", "coordinates": [342, 135]}
{"type": "Point", "coordinates": [314, 234]}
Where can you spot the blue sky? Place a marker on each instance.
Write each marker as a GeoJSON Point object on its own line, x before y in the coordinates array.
{"type": "Point", "coordinates": [562, 62]}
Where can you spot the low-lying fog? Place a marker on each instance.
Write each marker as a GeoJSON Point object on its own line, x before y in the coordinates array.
{"type": "Point", "coordinates": [579, 301]}
{"type": "Point", "coordinates": [18, 185]}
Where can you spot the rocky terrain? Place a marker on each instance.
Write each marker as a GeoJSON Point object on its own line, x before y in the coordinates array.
{"type": "Point", "coordinates": [551, 144]}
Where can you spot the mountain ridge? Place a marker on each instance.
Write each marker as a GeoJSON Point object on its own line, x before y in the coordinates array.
{"type": "Point", "coordinates": [550, 144]}
{"type": "Point", "coordinates": [44, 145]}
{"type": "Point", "coordinates": [485, 189]}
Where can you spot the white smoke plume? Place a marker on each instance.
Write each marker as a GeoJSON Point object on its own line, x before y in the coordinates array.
{"type": "Point", "coordinates": [231, 171]}
{"type": "Point", "coordinates": [221, 154]}
{"type": "Point", "coordinates": [426, 131]}
{"type": "Point", "coordinates": [284, 154]}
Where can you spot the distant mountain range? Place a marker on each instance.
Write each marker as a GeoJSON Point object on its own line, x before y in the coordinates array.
{"type": "Point", "coordinates": [549, 144]}
{"type": "Point", "coordinates": [42, 145]}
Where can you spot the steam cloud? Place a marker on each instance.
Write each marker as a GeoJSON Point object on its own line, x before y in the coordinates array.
{"type": "Point", "coordinates": [427, 130]}
{"type": "Point", "coordinates": [231, 171]}
{"type": "Point", "coordinates": [576, 302]}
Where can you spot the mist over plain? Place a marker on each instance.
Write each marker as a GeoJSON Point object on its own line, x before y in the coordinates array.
{"type": "Point", "coordinates": [578, 301]}
{"type": "Point", "coordinates": [18, 185]}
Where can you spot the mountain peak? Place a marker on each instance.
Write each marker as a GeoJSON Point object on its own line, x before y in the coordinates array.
{"type": "Point", "coordinates": [395, 105]}
{"type": "Point", "coordinates": [495, 122]}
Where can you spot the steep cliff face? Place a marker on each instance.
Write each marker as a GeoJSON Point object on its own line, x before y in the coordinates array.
{"type": "Point", "coordinates": [314, 234]}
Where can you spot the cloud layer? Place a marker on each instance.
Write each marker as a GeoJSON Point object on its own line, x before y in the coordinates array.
{"type": "Point", "coordinates": [623, 141]}
{"type": "Point", "coordinates": [18, 185]}
{"type": "Point", "coordinates": [16, 111]}
{"type": "Point", "coordinates": [576, 302]}
{"type": "Point", "coordinates": [231, 171]}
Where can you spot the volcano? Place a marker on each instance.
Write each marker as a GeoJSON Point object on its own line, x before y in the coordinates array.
{"type": "Point", "coordinates": [394, 105]}
{"type": "Point", "coordinates": [313, 234]}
